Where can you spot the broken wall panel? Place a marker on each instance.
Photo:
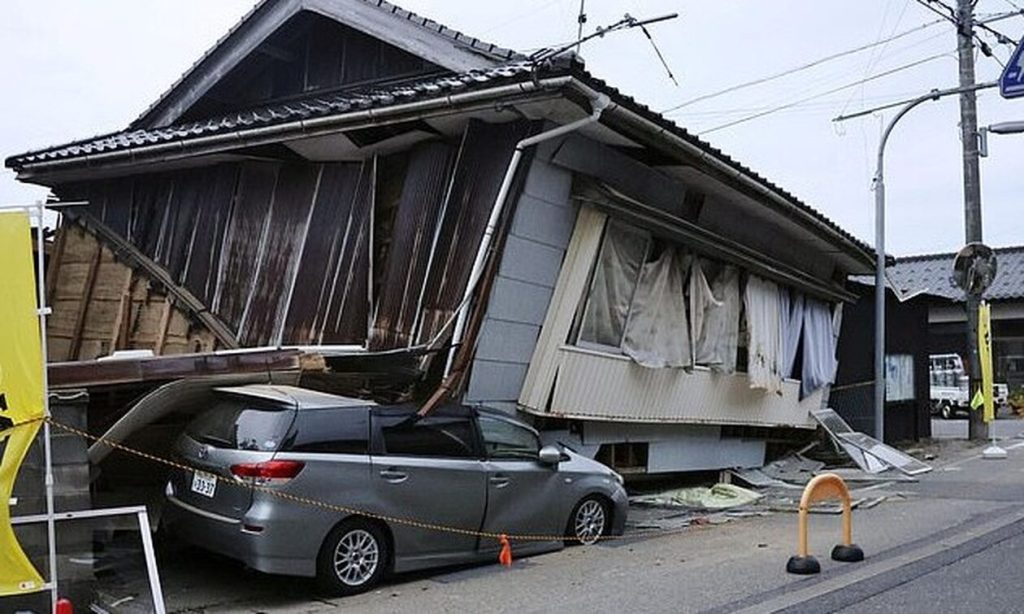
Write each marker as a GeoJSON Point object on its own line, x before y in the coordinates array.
{"type": "Point", "coordinates": [247, 228]}
{"type": "Point", "coordinates": [279, 252]}
{"type": "Point", "coordinates": [320, 256]}
{"type": "Point", "coordinates": [485, 155]}
{"type": "Point", "coordinates": [213, 210]}
{"type": "Point", "coordinates": [348, 310]}
{"type": "Point", "coordinates": [423, 187]}
{"type": "Point", "coordinates": [100, 305]}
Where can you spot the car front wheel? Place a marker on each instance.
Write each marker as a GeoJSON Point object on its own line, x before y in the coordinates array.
{"type": "Point", "coordinates": [589, 521]}
{"type": "Point", "coordinates": [353, 558]}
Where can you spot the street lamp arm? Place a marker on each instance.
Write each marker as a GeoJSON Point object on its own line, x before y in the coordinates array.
{"type": "Point", "coordinates": [879, 186]}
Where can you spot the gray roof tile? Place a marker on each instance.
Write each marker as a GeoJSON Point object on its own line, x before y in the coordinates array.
{"type": "Point", "coordinates": [932, 274]}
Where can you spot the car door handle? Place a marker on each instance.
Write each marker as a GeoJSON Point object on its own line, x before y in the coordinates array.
{"type": "Point", "coordinates": [500, 481]}
{"type": "Point", "coordinates": [394, 476]}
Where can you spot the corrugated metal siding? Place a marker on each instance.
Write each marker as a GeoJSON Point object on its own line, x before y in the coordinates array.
{"type": "Point", "coordinates": [424, 184]}
{"type": "Point", "coordinates": [483, 159]}
{"type": "Point", "coordinates": [603, 386]}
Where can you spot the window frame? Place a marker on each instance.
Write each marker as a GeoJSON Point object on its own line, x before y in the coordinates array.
{"type": "Point", "coordinates": [380, 414]}
{"type": "Point", "coordinates": [581, 311]}
{"type": "Point", "coordinates": [483, 440]}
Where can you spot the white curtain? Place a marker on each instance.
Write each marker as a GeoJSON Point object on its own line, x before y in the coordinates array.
{"type": "Point", "coordinates": [657, 334]}
{"type": "Point", "coordinates": [761, 300]}
{"type": "Point", "coordinates": [715, 315]}
{"type": "Point", "coordinates": [622, 254]}
{"type": "Point", "coordinates": [819, 345]}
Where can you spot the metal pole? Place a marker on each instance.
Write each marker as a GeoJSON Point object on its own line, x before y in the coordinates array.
{"type": "Point", "coordinates": [977, 428]}
{"type": "Point", "coordinates": [880, 248]}
{"type": "Point", "coordinates": [43, 311]}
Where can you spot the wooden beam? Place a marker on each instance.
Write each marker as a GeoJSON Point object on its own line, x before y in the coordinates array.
{"type": "Point", "coordinates": [130, 254]}
{"type": "Point", "coordinates": [90, 282]}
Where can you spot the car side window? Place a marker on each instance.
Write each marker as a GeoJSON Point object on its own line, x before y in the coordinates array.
{"type": "Point", "coordinates": [343, 430]}
{"type": "Point", "coordinates": [438, 436]}
{"type": "Point", "coordinates": [506, 440]}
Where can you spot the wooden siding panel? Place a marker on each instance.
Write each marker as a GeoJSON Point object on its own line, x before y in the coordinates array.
{"type": "Point", "coordinates": [279, 255]}
{"type": "Point", "coordinates": [347, 317]}
{"type": "Point", "coordinates": [246, 231]}
{"type": "Point", "coordinates": [415, 221]}
{"type": "Point", "coordinates": [483, 160]}
{"type": "Point", "coordinates": [213, 209]}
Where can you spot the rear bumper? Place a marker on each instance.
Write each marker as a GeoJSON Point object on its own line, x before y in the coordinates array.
{"type": "Point", "coordinates": [271, 539]}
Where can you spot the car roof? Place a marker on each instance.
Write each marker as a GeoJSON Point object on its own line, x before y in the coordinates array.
{"type": "Point", "coordinates": [302, 398]}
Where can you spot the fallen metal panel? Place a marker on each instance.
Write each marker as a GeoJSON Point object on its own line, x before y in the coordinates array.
{"type": "Point", "coordinates": [870, 454]}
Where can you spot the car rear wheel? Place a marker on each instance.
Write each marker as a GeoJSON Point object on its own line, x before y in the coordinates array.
{"type": "Point", "coordinates": [353, 558]}
{"type": "Point", "coordinates": [947, 411]}
{"type": "Point", "coordinates": [588, 521]}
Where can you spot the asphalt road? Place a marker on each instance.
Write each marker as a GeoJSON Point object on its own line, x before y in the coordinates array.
{"type": "Point", "coordinates": [982, 581]}
{"type": "Point", "coordinates": [1003, 428]}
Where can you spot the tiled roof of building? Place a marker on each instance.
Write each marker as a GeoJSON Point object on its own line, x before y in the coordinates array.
{"type": "Point", "coordinates": [342, 102]}
{"type": "Point", "coordinates": [496, 53]}
{"type": "Point", "coordinates": [932, 274]}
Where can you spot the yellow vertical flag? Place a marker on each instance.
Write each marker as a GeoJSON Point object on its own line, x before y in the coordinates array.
{"type": "Point", "coordinates": [21, 388]}
{"type": "Point", "coordinates": [985, 358]}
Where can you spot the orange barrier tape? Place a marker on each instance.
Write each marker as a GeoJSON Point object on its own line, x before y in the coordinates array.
{"type": "Point", "coordinates": [412, 522]}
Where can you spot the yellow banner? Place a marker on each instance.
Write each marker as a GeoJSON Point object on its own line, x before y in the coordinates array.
{"type": "Point", "coordinates": [985, 358]}
{"type": "Point", "coordinates": [21, 388]}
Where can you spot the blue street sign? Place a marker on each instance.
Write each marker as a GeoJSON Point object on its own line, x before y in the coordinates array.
{"type": "Point", "coordinates": [1011, 84]}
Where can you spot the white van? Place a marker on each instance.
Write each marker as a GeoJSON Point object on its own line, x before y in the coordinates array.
{"type": "Point", "coordinates": [950, 385]}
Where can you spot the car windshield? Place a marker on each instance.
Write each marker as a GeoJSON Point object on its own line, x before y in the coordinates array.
{"type": "Point", "coordinates": [242, 424]}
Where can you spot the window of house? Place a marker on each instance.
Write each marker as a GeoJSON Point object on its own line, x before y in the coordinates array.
{"type": "Point", "coordinates": [439, 436]}
{"type": "Point", "coordinates": [623, 252]}
{"type": "Point", "coordinates": [899, 377]}
{"type": "Point", "coordinates": [506, 440]}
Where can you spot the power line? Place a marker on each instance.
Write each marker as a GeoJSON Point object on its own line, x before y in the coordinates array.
{"type": "Point", "coordinates": [821, 94]}
{"type": "Point", "coordinates": [800, 68]}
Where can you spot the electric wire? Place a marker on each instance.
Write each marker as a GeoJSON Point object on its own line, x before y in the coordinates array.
{"type": "Point", "coordinates": [826, 93]}
{"type": "Point", "coordinates": [802, 67]}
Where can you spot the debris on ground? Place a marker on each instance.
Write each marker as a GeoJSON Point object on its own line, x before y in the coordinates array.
{"type": "Point", "coordinates": [719, 496]}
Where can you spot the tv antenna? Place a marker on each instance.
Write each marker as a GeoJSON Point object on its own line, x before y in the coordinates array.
{"type": "Point", "coordinates": [627, 22]}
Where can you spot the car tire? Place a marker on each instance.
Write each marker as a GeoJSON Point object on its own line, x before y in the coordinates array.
{"type": "Point", "coordinates": [353, 558]}
{"type": "Point", "coordinates": [946, 412]}
{"type": "Point", "coordinates": [589, 521]}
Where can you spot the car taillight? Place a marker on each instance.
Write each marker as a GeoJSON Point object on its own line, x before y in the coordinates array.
{"type": "Point", "coordinates": [276, 471]}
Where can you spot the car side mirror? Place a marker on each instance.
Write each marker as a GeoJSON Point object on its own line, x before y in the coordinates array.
{"type": "Point", "coordinates": [550, 455]}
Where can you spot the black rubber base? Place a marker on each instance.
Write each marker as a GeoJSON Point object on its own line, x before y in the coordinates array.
{"type": "Point", "coordinates": [847, 554]}
{"type": "Point", "coordinates": [803, 565]}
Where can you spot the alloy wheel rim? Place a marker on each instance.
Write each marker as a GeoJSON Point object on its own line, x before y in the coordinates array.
{"type": "Point", "coordinates": [356, 557]}
{"type": "Point", "coordinates": [590, 522]}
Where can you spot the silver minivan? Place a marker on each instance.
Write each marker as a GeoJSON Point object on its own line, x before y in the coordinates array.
{"type": "Point", "coordinates": [464, 468]}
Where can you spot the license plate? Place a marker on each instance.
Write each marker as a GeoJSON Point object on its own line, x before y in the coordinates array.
{"type": "Point", "coordinates": [204, 483]}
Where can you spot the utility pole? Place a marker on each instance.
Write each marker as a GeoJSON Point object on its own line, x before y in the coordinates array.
{"type": "Point", "coordinates": [977, 429]}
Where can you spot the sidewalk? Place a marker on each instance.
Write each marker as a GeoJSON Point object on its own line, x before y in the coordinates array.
{"type": "Point", "coordinates": [726, 567]}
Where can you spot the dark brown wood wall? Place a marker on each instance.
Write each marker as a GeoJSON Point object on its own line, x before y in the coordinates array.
{"type": "Point", "coordinates": [309, 53]}
{"type": "Point", "coordinates": [280, 252]}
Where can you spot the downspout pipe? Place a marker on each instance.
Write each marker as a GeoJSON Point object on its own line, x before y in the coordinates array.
{"type": "Point", "coordinates": [598, 104]}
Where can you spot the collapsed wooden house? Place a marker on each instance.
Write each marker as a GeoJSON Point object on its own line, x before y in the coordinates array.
{"type": "Point", "coordinates": [369, 201]}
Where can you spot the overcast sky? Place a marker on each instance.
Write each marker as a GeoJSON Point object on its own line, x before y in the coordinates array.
{"type": "Point", "coordinates": [74, 69]}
